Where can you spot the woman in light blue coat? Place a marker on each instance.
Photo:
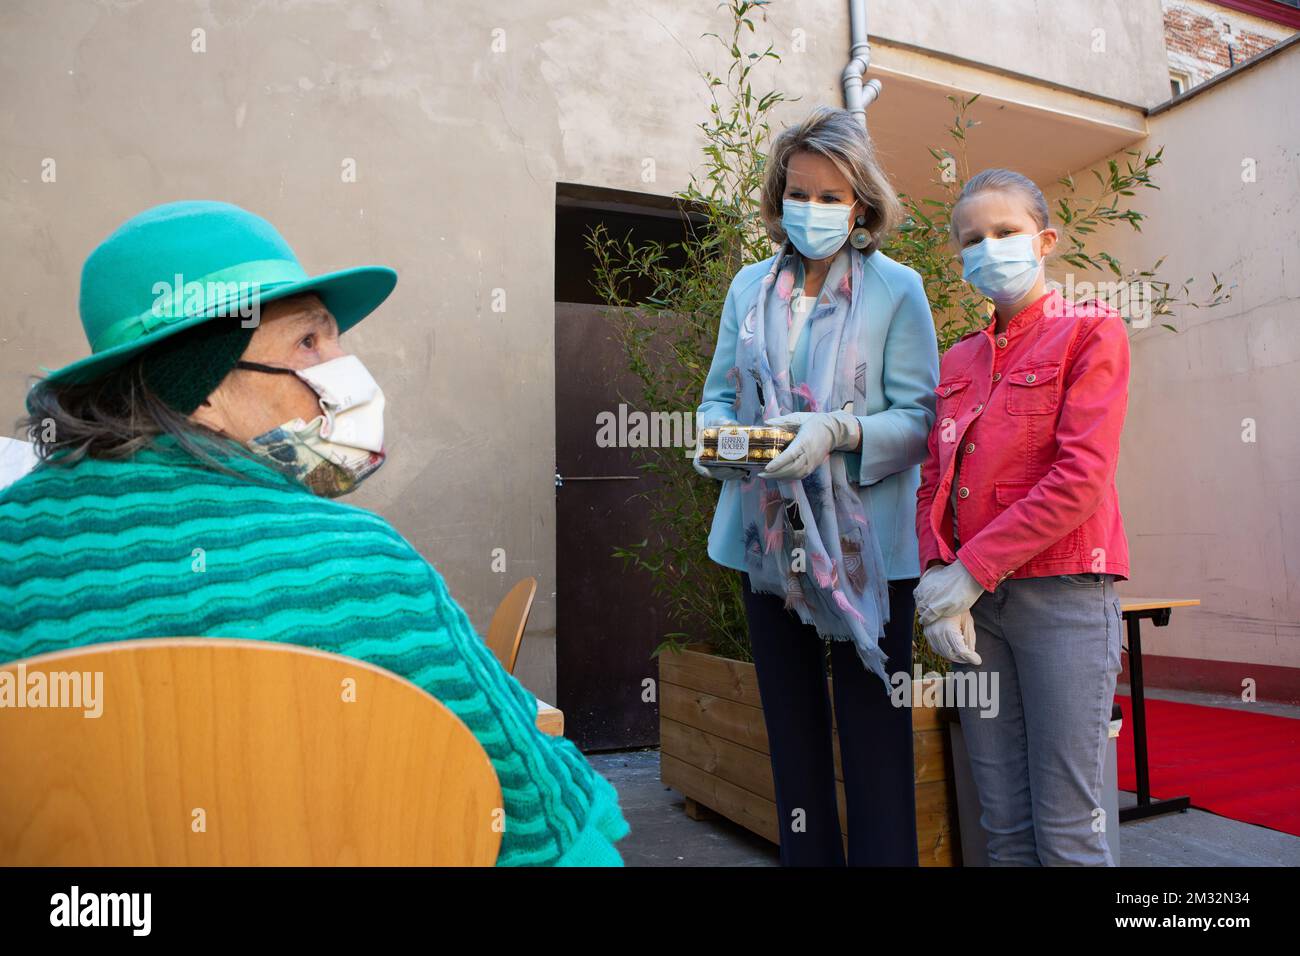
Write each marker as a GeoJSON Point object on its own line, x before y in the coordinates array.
{"type": "Point", "coordinates": [836, 340]}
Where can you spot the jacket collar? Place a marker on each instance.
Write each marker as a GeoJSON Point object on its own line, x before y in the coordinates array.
{"type": "Point", "coordinates": [1022, 319]}
{"type": "Point", "coordinates": [1026, 316]}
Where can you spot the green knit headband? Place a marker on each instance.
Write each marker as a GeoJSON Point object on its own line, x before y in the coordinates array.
{"type": "Point", "coordinates": [184, 369]}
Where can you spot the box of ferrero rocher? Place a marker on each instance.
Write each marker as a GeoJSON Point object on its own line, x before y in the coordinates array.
{"type": "Point", "coordinates": [742, 446]}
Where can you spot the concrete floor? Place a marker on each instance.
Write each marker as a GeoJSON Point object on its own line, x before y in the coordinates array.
{"type": "Point", "coordinates": [662, 834]}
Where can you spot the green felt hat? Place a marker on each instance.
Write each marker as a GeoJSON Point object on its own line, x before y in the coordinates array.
{"type": "Point", "coordinates": [182, 264]}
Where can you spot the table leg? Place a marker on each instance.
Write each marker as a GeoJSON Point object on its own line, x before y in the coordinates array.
{"type": "Point", "coordinates": [1145, 806]}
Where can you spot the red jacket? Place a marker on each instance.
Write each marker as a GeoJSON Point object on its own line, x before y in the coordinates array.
{"type": "Point", "coordinates": [1037, 413]}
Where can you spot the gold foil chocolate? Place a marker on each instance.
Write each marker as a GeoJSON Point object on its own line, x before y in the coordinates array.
{"type": "Point", "coordinates": [742, 446]}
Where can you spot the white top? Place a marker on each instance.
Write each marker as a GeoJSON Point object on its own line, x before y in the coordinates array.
{"type": "Point", "coordinates": [799, 310]}
{"type": "Point", "coordinates": [17, 458]}
{"type": "Point", "coordinates": [801, 306]}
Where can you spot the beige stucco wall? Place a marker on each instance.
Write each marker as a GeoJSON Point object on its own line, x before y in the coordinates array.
{"type": "Point", "coordinates": [1208, 514]}
{"type": "Point", "coordinates": [1115, 50]}
{"type": "Point", "coordinates": [458, 147]}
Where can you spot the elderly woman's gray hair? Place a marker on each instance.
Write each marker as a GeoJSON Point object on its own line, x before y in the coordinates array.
{"type": "Point", "coordinates": [840, 137]}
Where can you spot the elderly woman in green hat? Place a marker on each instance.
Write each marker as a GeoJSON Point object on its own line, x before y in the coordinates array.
{"type": "Point", "coordinates": [219, 414]}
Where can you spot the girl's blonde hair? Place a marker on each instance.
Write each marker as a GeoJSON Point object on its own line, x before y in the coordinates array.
{"type": "Point", "coordinates": [837, 135]}
{"type": "Point", "coordinates": [1008, 180]}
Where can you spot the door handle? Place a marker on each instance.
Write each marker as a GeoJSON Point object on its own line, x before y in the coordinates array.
{"type": "Point", "coordinates": [560, 479]}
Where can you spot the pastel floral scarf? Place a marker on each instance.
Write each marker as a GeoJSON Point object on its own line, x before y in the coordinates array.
{"type": "Point", "coordinates": [811, 541]}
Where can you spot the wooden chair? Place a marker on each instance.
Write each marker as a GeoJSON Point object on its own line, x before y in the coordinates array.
{"type": "Point", "coordinates": [506, 632]}
{"type": "Point", "coordinates": [213, 751]}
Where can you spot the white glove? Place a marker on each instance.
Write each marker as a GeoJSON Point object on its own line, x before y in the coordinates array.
{"type": "Point", "coordinates": [721, 473]}
{"type": "Point", "coordinates": [953, 638]}
{"type": "Point", "coordinates": [820, 433]}
{"type": "Point", "coordinates": [945, 592]}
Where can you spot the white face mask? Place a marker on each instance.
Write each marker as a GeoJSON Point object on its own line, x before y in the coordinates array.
{"type": "Point", "coordinates": [341, 447]}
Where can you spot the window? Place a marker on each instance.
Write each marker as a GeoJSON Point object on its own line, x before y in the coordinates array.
{"type": "Point", "coordinates": [1179, 82]}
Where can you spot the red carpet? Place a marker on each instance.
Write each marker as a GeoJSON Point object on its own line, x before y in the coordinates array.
{"type": "Point", "coordinates": [1240, 765]}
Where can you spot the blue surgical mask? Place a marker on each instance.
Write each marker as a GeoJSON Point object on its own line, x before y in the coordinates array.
{"type": "Point", "coordinates": [817, 229]}
{"type": "Point", "coordinates": [1003, 269]}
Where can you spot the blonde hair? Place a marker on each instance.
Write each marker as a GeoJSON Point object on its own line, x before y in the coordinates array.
{"type": "Point", "coordinates": [1007, 180]}
{"type": "Point", "coordinates": [837, 135]}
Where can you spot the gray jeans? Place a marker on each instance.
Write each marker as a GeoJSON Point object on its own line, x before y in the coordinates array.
{"type": "Point", "coordinates": [1054, 643]}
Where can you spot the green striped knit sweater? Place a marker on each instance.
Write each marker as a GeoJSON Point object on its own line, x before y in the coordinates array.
{"type": "Point", "coordinates": [103, 551]}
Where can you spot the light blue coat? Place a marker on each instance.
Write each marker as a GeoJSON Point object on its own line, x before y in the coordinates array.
{"type": "Point", "coordinates": [902, 373]}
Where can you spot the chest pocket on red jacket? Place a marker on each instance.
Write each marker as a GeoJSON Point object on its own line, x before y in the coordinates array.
{"type": "Point", "coordinates": [948, 402]}
{"type": "Point", "coordinates": [1033, 389]}
{"type": "Point", "coordinates": [950, 396]}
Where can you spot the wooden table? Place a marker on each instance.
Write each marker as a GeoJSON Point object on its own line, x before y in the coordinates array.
{"type": "Point", "coordinates": [550, 720]}
{"type": "Point", "coordinates": [1157, 610]}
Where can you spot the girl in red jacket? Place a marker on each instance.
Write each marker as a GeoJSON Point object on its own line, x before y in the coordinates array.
{"type": "Point", "coordinates": [1020, 532]}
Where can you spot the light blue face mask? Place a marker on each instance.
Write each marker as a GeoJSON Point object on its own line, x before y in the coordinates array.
{"type": "Point", "coordinates": [1003, 269]}
{"type": "Point", "coordinates": [817, 229]}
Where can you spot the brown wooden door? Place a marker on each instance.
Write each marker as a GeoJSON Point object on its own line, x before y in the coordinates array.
{"type": "Point", "coordinates": [607, 621]}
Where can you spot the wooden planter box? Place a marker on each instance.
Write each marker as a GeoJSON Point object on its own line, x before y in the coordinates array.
{"type": "Point", "coordinates": [713, 750]}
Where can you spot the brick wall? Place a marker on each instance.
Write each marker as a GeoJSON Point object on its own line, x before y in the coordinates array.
{"type": "Point", "coordinates": [1193, 37]}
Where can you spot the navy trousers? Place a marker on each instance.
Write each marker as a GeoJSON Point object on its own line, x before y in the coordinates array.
{"type": "Point", "coordinates": [875, 736]}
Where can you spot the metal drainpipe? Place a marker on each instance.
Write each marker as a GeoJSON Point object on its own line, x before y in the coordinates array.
{"type": "Point", "coordinates": [858, 96]}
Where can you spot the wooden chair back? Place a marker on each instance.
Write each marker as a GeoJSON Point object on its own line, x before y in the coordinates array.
{"type": "Point", "coordinates": [213, 751]}
{"type": "Point", "coordinates": [506, 632]}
